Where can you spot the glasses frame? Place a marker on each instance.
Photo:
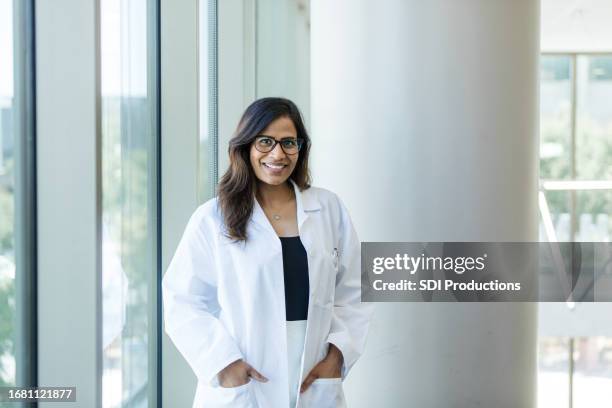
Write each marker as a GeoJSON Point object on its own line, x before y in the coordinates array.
{"type": "Point", "coordinates": [299, 141]}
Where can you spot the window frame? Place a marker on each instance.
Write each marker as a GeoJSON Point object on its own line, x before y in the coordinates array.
{"type": "Point", "coordinates": [25, 239]}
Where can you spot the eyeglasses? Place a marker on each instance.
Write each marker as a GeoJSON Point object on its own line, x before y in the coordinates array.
{"type": "Point", "coordinates": [290, 145]}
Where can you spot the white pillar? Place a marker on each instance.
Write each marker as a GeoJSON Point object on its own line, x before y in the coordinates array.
{"type": "Point", "coordinates": [424, 120]}
{"type": "Point", "coordinates": [68, 191]}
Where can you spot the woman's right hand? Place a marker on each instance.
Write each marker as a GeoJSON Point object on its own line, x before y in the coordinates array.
{"type": "Point", "coordinates": [237, 374]}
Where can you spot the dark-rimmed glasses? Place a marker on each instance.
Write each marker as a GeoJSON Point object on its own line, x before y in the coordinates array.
{"type": "Point", "coordinates": [266, 144]}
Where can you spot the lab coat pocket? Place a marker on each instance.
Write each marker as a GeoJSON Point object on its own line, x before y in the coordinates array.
{"type": "Point", "coordinates": [226, 397]}
{"type": "Point", "coordinates": [326, 393]}
{"type": "Point", "coordinates": [327, 283]}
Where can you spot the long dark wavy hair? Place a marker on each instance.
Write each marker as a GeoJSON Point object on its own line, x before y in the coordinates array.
{"type": "Point", "coordinates": [237, 187]}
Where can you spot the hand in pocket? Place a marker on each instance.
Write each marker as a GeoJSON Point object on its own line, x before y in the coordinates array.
{"type": "Point", "coordinates": [329, 367]}
{"type": "Point", "coordinates": [237, 374]}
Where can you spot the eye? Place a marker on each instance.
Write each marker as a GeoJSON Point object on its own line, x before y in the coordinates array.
{"type": "Point", "coordinates": [265, 141]}
{"type": "Point", "coordinates": [289, 142]}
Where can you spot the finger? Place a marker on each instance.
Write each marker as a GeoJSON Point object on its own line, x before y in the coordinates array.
{"type": "Point", "coordinates": [309, 380]}
{"type": "Point", "coordinates": [257, 375]}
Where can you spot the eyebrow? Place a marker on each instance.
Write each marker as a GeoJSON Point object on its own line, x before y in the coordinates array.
{"type": "Point", "coordinates": [282, 138]}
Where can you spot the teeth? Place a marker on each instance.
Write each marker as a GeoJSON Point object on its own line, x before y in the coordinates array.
{"type": "Point", "coordinates": [274, 166]}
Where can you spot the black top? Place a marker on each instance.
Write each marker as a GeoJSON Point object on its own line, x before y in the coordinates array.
{"type": "Point", "coordinates": [295, 270]}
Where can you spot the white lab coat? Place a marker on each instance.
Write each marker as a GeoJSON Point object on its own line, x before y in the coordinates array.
{"type": "Point", "coordinates": [224, 300]}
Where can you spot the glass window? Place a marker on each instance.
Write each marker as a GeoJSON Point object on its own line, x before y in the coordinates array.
{"type": "Point", "coordinates": [129, 203]}
{"type": "Point", "coordinates": [8, 116]}
{"type": "Point", "coordinates": [592, 372]}
{"type": "Point", "coordinates": [594, 118]}
{"type": "Point", "coordinates": [575, 205]}
{"type": "Point", "coordinates": [594, 215]}
{"type": "Point", "coordinates": [576, 146]}
{"type": "Point", "coordinates": [556, 213]}
{"type": "Point", "coordinates": [555, 117]}
{"type": "Point", "coordinates": [574, 372]}
{"type": "Point", "coordinates": [283, 51]}
{"type": "Point", "coordinates": [553, 369]}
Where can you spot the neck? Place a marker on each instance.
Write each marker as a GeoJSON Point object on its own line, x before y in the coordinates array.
{"type": "Point", "coordinates": [270, 194]}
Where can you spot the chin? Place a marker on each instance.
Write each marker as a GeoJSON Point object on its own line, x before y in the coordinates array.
{"type": "Point", "coordinates": [274, 181]}
{"type": "Point", "coordinates": [271, 179]}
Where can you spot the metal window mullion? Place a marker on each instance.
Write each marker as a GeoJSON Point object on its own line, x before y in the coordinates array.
{"type": "Point", "coordinates": [154, 387]}
{"type": "Point", "coordinates": [213, 95]}
{"type": "Point", "coordinates": [573, 223]}
{"type": "Point", "coordinates": [25, 194]}
{"type": "Point", "coordinates": [573, 119]}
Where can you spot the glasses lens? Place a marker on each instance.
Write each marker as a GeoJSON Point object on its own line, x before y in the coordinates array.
{"type": "Point", "coordinates": [264, 144]}
{"type": "Point", "coordinates": [290, 146]}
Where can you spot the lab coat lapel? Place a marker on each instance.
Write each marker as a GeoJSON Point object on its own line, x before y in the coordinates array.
{"type": "Point", "coordinates": [306, 203]}
{"type": "Point", "coordinates": [259, 217]}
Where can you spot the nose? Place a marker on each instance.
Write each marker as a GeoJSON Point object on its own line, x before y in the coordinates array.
{"type": "Point", "coordinates": [277, 152]}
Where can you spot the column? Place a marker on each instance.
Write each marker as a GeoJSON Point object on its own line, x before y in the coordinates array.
{"type": "Point", "coordinates": [424, 121]}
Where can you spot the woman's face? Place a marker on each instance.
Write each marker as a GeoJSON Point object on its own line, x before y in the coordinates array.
{"type": "Point", "coordinates": [276, 166]}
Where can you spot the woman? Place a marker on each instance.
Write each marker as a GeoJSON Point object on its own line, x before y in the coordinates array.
{"type": "Point", "coordinates": [262, 296]}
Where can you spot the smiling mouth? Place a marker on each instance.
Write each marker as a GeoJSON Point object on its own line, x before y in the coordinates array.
{"type": "Point", "coordinates": [274, 166]}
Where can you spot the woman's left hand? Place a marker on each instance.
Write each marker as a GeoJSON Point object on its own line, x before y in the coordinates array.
{"type": "Point", "coordinates": [329, 367]}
